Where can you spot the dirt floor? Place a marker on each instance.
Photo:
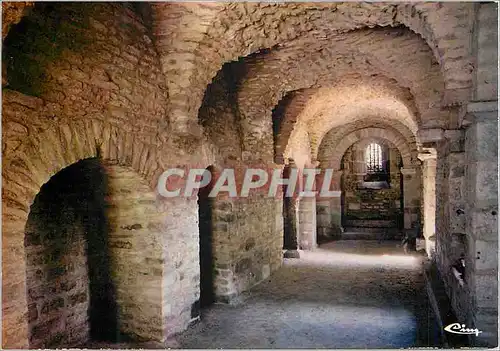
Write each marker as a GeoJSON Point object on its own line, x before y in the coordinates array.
{"type": "Point", "coordinates": [347, 294]}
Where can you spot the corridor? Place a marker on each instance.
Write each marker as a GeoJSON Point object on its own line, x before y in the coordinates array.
{"type": "Point", "coordinates": [346, 294]}
{"type": "Point", "coordinates": [160, 156]}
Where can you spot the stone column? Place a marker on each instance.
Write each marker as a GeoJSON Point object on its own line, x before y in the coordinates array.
{"type": "Point", "coordinates": [411, 196]}
{"type": "Point", "coordinates": [329, 211]}
{"type": "Point", "coordinates": [336, 205]}
{"type": "Point", "coordinates": [359, 162]}
{"type": "Point", "coordinates": [429, 200]}
{"type": "Point", "coordinates": [290, 242]}
{"type": "Point", "coordinates": [307, 223]}
{"type": "Point", "coordinates": [307, 227]}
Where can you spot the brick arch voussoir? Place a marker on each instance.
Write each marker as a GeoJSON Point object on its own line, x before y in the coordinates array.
{"type": "Point", "coordinates": [252, 105]}
{"type": "Point", "coordinates": [47, 153]}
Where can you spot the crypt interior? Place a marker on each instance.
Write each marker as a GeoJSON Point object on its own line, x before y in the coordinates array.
{"type": "Point", "coordinates": [398, 99]}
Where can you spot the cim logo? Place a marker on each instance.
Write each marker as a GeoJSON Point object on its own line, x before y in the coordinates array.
{"type": "Point", "coordinates": [457, 328]}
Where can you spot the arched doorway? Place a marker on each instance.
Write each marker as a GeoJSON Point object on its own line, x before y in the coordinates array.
{"type": "Point", "coordinates": [71, 296]}
{"type": "Point", "coordinates": [94, 258]}
{"type": "Point", "coordinates": [372, 189]}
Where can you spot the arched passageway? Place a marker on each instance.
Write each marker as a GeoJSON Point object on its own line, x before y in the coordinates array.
{"type": "Point", "coordinates": [92, 267]}
{"type": "Point", "coordinates": [379, 178]}
{"type": "Point", "coordinates": [149, 87]}
{"type": "Point", "coordinates": [372, 189]}
{"type": "Point", "coordinates": [71, 296]}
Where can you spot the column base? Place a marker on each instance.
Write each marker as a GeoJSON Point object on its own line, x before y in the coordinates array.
{"type": "Point", "coordinates": [291, 254]}
{"type": "Point", "coordinates": [430, 246]}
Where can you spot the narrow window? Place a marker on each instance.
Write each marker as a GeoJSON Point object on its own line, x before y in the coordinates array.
{"type": "Point", "coordinates": [373, 158]}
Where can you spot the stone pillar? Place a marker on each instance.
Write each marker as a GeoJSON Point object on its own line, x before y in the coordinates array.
{"type": "Point", "coordinates": [307, 226]}
{"type": "Point", "coordinates": [481, 149]}
{"type": "Point", "coordinates": [481, 214]}
{"type": "Point", "coordinates": [329, 211]}
{"type": "Point", "coordinates": [290, 242]}
{"type": "Point", "coordinates": [336, 205]}
{"type": "Point", "coordinates": [429, 200]}
{"type": "Point", "coordinates": [307, 223]}
{"type": "Point", "coordinates": [411, 196]}
{"type": "Point", "coordinates": [359, 162]}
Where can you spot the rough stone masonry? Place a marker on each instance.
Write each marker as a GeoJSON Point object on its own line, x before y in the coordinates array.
{"type": "Point", "coordinates": [99, 99]}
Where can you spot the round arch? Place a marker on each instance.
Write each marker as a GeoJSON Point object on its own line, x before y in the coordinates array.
{"type": "Point", "coordinates": [234, 28]}
{"type": "Point", "coordinates": [356, 136]}
{"type": "Point", "coordinates": [31, 166]}
{"type": "Point", "coordinates": [352, 97]}
{"type": "Point", "coordinates": [283, 71]}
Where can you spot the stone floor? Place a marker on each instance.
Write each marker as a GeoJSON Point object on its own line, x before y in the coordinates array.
{"type": "Point", "coordinates": [346, 294]}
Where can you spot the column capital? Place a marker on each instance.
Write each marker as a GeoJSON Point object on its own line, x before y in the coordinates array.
{"type": "Point", "coordinates": [430, 135]}
{"type": "Point", "coordinates": [480, 111]}
{"type": "Point", "coordinates": [482, 106]}
{"type": "Point", "coordinates": [426, 156]}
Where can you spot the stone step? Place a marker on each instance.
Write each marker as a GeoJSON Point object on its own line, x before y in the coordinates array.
{"type": "Point", "coordinates": [374, 234]}
{"type": "Point", "coordinates": [371, 223]}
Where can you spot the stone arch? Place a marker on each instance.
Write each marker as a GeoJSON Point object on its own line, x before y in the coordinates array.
{"type": "Point", "coordinates": [320, 113]}
{"type": "Point", "coordinates": [32, 165]}
{"type": "Point", "coordinates": [283, 70]}
{"type": "Point", "coordinates": [234, 28]}
{"type": "Point", "coordinates": [331, 213]}
{"type": "Point", "coordinates": [335, 135]}
{"type": "Point", "coordinates": [380, 133]}
{"type": "Point", "coordinates": [285, 120]}
{"type": "Point", "coordinates": [314, 112]}
{"type": "Point", "coordinates": [12, 13]}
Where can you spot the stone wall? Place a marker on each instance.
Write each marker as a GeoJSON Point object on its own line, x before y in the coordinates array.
{"type": "Point", "coordinates": [219, 115]}
{"type": "Point", "coordinates": [485, 50]}
{"type": "Point", "coordinates": [467, 194]}
{"type": "Point", "coordinates": [466, 222]}
{"type": "Point", "coordinates": [451, 240]}
{"type": "Point", "coordinates": [481, 224]}
{"type": "Point", "coordinates": [100, 65]}
{"type": "Point", "coordinates": [248, 242]}
{"type": "Point", "coordinates": [137, 251]}
{"type": "Point", "coordinates": [99, 92]}
{"type": "Point", "coordinates": [245, 250]}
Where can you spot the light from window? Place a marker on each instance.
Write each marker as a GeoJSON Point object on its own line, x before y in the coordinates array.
{"type": "Point", "coordinates": [373, 158]}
